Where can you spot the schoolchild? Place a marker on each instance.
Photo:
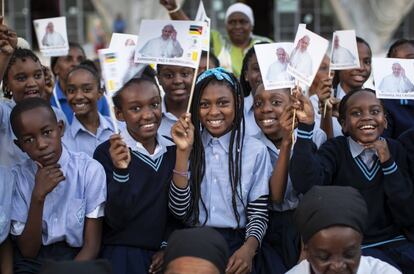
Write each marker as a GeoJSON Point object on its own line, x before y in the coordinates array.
{"type": "Point", "coordinates": [6, 192]}
{"type": "Point", "coordinates": [23, 78]}
{"type": "Point", "coordinates": [346, 80]}
{"type": "Point", "coordinates": [250, 79]}
{"type": "Point", "coordinates": [59, 195]}
{"type": "Point", "coordinates": [176, 82]}
{"type": "Point", "coordinates": [61, 66]}
{"type": "Point", "coordinates": [377, 167]}
{"type": "Point", "coordinates": [273, 111]}
{"type": "Point", "coordinates": [226, 185]}
{"type": "Point", "coordinates": [138, 163]}
{"type": "Point", "coordinates": [89, 128]}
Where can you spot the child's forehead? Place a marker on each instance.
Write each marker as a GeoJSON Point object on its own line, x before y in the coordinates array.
{"type": "Point", "coordinates": [139, 91]}
{"type": "Point", "coordinates": [363, 97]}
{"type": "Point", "coordinates": [26, 64]}
{"type": "Point", "coordinates": [168, 68]}
{"type": "Point", "coordinates": [36, 119]}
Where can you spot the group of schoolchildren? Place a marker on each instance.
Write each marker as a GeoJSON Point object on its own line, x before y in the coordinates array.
{"type": "Point", "coordinates": [74, 188]}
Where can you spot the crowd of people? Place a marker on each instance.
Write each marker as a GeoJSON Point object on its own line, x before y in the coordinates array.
{"type": "Point", "coordinates": [248, 181]}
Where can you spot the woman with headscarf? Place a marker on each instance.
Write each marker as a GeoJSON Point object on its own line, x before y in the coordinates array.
{"type": "Point", "coordinates": [231, 48]}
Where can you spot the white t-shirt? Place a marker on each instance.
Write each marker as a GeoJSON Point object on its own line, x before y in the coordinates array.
{"type": "Point", "coordinates": [367, 265]}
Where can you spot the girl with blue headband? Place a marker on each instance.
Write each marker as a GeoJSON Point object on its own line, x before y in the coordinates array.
{"type": "Point", "coordinates": [221, 176]}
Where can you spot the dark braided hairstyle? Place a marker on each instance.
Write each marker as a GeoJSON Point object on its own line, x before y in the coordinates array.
{"type": "Point", "coordinates": [21, 54]}
{"type": "Point", "coordinates": [197, 156]}
{"type": "Point", "coordinates": [90, 67]}
{"type": "Point", "coordinates": [393, 48]}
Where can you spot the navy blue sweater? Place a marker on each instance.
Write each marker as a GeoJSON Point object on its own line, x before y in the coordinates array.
{"type": "Point", "coordinates": [136, 210]}
{"type": "Point", "coordinates": [386, 187]}
{"type": "Point", "coordinates": [400, 116]}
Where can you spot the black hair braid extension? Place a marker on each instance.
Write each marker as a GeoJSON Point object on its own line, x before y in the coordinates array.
{"type": "Point", "coordinates": [197, 156]}
{"type": "Point", "coordinates": [19, 53]}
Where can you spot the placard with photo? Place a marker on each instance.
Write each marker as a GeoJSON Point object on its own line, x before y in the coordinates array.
{"type": "Point", "coordinates": [308, 51]}
{"type": "Point", "coordinates": [52, 36]}
{"type": "Point", "coordinates": [394, 78]}
{"type": "Point", "coordinates": [120, 40]}
{"type": "Point", "coordinates": [170, 42]}
{"type": "Point", "coordinates": [273, 60]}
{"type": "Point", "coordinates": [344, 51]}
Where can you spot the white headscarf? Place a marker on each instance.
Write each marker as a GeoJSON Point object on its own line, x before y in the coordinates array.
{"type": "Point", "coordinates": [242, 8]}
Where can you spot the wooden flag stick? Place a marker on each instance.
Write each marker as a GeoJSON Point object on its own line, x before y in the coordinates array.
{"type": "Point", "coordinates": [2, 8]}
{"type": "Point", "coordinates": [110, 100]}
{"type": "Point", "coordinates": [208, 60]}
{"type": "Point", "coordinates": [192, 88]}
{"type": "Point", "coordinates": [326, 101]}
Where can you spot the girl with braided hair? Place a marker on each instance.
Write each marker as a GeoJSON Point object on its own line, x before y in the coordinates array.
{"type": "Point", "coordinates": [221, 176]}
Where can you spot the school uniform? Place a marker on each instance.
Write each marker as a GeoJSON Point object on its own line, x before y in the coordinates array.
{"type": "Point", "coordinates": [6, 192]}
{"type": "Point", "coordinates": [282, 238]}
{"type": "Point", "coordinates": [251, 127]}
{"type": "Point", "coordinates": [167, 121]}
{"type": "Point", "coordinates": [400, 116]}
{"type": "Point", "coordinates": [136, 211]}
{"type": "Point", "coordinates": [60, 101]}
{"type": "Point", "coordinates": [216, 191]}
{"type": "Point", "coordinates": [367, 265]}
{"type": "Point", "coordinates": [386, 188]}
{"type": "Point", "coordinates": [81, 195]}
{"type": "Point", "coordinates": [10, 154]}
{"type": "Point", "coordinates": [79, 139]}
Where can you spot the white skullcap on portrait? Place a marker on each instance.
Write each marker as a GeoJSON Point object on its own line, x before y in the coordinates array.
{"type": "Point", "coordinates": [242, 8]}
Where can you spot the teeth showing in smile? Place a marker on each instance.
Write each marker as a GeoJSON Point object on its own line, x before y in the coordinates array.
{"type": "Point", "coordinates": [147, 126]}
{"type": "Point", "coordinates": [367, 127]}
{"type": "Point", "coordinates": [215, 123]}
{"type": "Point", "coordinates": [80, 105]}
{"type": "Point", "coordinates": [268, 122]}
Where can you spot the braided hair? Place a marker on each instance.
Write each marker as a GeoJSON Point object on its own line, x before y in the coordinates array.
{"type": "Point", "coordinates": [18, 54]}
{"type": "Point", "coordinates": [197, 156]}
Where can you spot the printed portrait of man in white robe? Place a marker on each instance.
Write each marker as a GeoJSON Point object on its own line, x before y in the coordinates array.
{"type": "Point", "coordinates": [397, 81]}
{"type": "Point", "coordinates": [341, 55]}
{"type": "Point", "coordinates": [51, 37]}
{"type": "Point", "coordinates": [300, 58]}
{"type": "Point", "coordinates": [277, 70]}
{"type": "Point", "coordinates": [166, 46]}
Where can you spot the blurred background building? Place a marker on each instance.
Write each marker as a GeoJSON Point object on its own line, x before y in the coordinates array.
{"type": "Point", "coordinates": [378, 21]}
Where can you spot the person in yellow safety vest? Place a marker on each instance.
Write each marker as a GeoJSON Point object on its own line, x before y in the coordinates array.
{"type": "Point", "coordinates": [231, 48]}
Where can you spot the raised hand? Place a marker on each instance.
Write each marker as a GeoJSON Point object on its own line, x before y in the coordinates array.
{"type": "Point", "coordinates": [381, 147]}
{"type": "Point", "coordinates": [169, 4]}
{"type": "Point", "coordinates": [303, 106]}
{"type": "Point", "coordinates": [46, 179]}
{"type": "Point", "coordinates": [119, 151]}
{"type": "Point", "coordinates": [182, 133]}
{"type": "Point", "coordinates": [8, 39]}
{"type": "Point", "coordinates": [286, 120]}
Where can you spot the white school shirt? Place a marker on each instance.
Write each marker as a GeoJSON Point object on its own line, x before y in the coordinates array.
{"type": "Point", "coordinates": [250, 125]}
{"type": "Point", "coordinates": [81, 195]}
{"type": "Point", "coordinates": [10, 154]}
{"type": "Point", "coordinates": [167, 121]}
{"type": "Point", "coordinates": [367, 265]}
{"type": "Point", "coordinates": [160, 148]}
{"type": "Point", "coordinates": [78, 139]}
{"type": "Point", "coordinates": [292, 198]}
{"type": "Point", "coordinates": [6, 192]}
{"type": "Point", "coordinates": [215, 186]}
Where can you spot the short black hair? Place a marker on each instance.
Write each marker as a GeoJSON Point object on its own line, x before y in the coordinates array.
{"type": "Point", "coordinates": [212, 57]}
{"type": "Point", "coordinates": [89, 66]}
{"type": "Point", "coordinates": [19, 53]}
{"type": "Point", "coordinates": [54, 60]}
{"type": "Point", "coordinates": [393, 48]}
{"type": "Point", "coordinates": [26, 105]}
{"type": "Point", "coordinates": [134, 81]}
{"type": "Point", "coordinates": [343, 104]}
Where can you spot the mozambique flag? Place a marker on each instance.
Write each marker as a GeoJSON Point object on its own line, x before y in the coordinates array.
{"type": "Point", "coordinates": [110, 57]}
{"type": "Point", "coordinates": [195, 30]}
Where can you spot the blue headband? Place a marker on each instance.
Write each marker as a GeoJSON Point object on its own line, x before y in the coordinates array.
{"type": "Point", "coordinates": [219, 73]}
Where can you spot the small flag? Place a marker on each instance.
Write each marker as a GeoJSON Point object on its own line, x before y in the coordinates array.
{"type": "Point", "coordinates": [110, 58]}
{"type": "Point", "coordinates": [196, 30]}
{"type": "Point", "coordinates": [194, 56]}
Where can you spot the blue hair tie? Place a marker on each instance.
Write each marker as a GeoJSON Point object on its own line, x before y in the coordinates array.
{"type": "Point", "coordinates": [219, 73]}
